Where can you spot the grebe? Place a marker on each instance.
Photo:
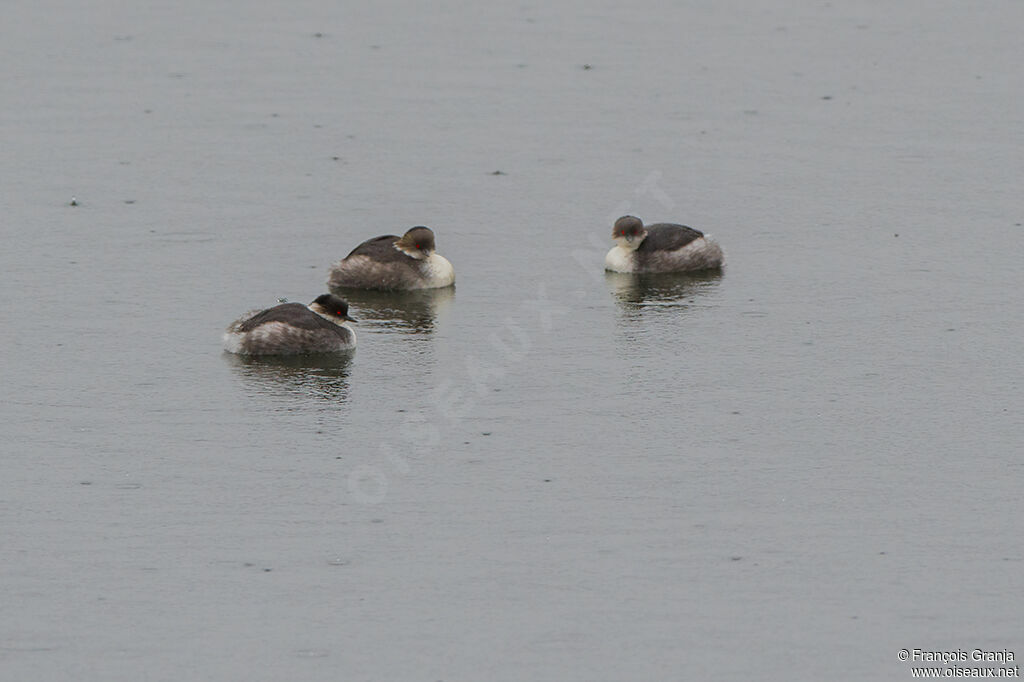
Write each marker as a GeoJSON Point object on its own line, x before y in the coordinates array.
{"type": "Point", "coordinates": [662, 247]}
{"type": "Point", "coordinates": [292, 328]}
{"type": "Point", "coordinates": [394, 263]}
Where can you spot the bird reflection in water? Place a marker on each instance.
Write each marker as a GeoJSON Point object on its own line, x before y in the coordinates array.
{"type": "Point", "coordinates": [409, 312]}
{"type": "Point", "coordinates": [636, 293]}
{"type": "Point", "coordinates": [320, 375]}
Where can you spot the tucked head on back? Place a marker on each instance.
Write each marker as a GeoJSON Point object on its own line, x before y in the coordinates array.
{"type": "Point", "coordinates": [331, 306]}
{"type": "Point", "coordinates": [390, 263]}
{"type": "Point", "coordinates": [292, 328]}
{"type": "Point", "coordinates": [629, 232]}
{"type": "Point", "coordinates": [417, 242]}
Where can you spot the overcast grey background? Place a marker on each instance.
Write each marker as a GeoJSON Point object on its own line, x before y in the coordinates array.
{"type": "Point", "coordinates": [788, 471]}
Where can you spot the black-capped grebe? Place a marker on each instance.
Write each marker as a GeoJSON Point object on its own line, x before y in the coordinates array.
{"type": "Point", "coordinates": [391, 263]}
{"type": "Point", "coordinates": [662, 247]}
{"type": "Point", "coordinates": [292, 328]}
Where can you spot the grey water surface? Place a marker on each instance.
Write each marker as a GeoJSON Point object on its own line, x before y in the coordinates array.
{"type": "Point", "coordinates": [791, 469]}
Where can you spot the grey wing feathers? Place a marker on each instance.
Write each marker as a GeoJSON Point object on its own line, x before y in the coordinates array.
{"type": "Point", "coordinates": [293, 314]}
{"type": "Point", "coordinates": [668, 237]}
{"type": "Point", "coordinates": [378, 248]}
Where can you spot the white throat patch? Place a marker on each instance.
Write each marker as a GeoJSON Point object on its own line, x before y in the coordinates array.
{"type": "Point", "coordinates": [438, 271]}
{"type": "Point", "coordinates": [627, 245]}
{"type": "Point", "coordinates": [619, 259]}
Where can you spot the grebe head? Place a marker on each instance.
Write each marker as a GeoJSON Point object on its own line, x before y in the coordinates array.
{"type": "Point", "coordinates": [418, 242]}
{"type": "Point", "coordinates": [331, 307]}
{"type": "Point", "coordinates": [629, 232]}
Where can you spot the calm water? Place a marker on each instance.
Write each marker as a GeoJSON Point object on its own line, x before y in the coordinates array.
{"type": "Point", "coordinates": [790, 470]}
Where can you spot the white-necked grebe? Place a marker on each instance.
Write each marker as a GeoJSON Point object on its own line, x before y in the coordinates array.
{"type": "Point", "coordinates": [391, 263]}
{"type": "Point", "coordinates": [662, 247]}
{"type": "Point", "coordinates": [292, 328]}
